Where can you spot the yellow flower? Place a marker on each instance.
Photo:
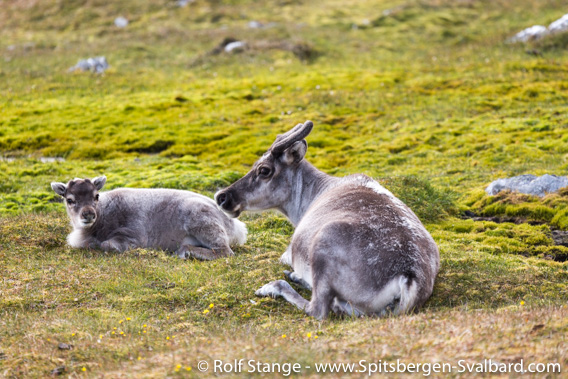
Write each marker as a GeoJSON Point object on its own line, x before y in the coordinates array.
{"type": "Point", "coordinates": [112, 333]}
{"type": "Point", "coordinates": [121, 333]}
{"type": "Point", "coordinates": [211, 305]}
{"type": "Point", "coordinates": [188, 368]}
{"type": "Point", "coordinates": [144, 331]}
{"type": "Point", "coordinates": [128, 319]}
{"type": "Point", "coordinates": [121, 321]}
{"type": "Point", "coordinates": [114, 328]}
{"type": "Point", "coordinates": [100, 336]}
{"type": "Point", "coordinates": [522, 302]}
{"type": "Point", "coordinates": [84, 369]}
{"type": "Point", "coordinates": [315, 337]}
{"type": "Point", "coordinates": [206, 311]}
{"type": "Point", "coordinates": [168, 317]}
{"type": "Point", "coordinates": [72, 334]}
{"type": "Point", "coordinates": [144, 325]}
{"type": "Point", "coordinates": [139, 358]}
{"type": "Point", "coordinates": [283, 335]}
{"type": "Point", "coordinates": [168, 338]}
{"type": "Point", "coordinates": [309, 335]}
{"type": "Point", "coordinates": [178, 367]}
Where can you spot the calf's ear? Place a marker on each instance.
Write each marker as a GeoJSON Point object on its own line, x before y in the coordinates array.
{"type": "Point", "coordinates": [99, 182]}
{"type": "Point", "coordinates": [59, 188]}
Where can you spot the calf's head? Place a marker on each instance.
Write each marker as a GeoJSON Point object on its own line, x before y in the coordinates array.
{"type": "Point", "coordinates": [270, 181]}
{"type": "Point", "coordinates": [81, 197]}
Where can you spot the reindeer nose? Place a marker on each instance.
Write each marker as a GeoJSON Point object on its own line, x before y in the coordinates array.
{"type": "Point", "coordinates": [223, 200]}
{"type": "Point", "coordinates": [88, 215]}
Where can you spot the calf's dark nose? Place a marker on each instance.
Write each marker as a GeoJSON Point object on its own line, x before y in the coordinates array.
{"type": "Point", "coordinates": [88, 215]}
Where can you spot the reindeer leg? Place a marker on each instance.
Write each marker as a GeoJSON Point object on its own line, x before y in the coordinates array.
{"type": "Point", "coordinates": [118, 244]}
{"type": "Point", "coordinates": [340, 307]}
{"type": "Point", "coordinates": [188, 251]}
{"type": "Point", "coordinates": [295, 278]}
{"type": "Point", "coordinates": [281, 288]}
{"type": "Point", "coordinates": [318, 307]}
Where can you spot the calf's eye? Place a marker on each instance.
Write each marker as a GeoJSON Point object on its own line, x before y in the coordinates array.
{"type": "Point", "coordinates": [70, 202]}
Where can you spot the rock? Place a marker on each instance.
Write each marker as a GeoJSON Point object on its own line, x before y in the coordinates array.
{"type": "Point", "coordinates": [96, 64]}
{"type": "Point", "coordinates": [58, 370]}
{"type": "Point", "coordinates": [64, 346]}
{"type": "Point", "coordinates": [529, 184]}
{"type": "Point", "coordinates": [255, 25]}
{"type": "Point", "coordinates": [538, 31]}
{"type": "Point", "coordinates": [120, 22]}
{"type": "Point", "coordinates": [530, 34]}
{"type": "Point", "coordinates": [51, 159]}
{"type": "Point", "coordinates": [560, 237]}
{"type": "Point", "coordinates": [183, 3]}
{"type": "Point", "coordinates": [235, 47]}
{"type": "Point", "coordinates": [560, 25]}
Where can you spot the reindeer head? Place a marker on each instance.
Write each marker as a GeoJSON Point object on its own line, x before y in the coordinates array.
{"type": "Point", "coordinates": [271, 179]}
{"type": "Point", "coordinates": [81, 197]}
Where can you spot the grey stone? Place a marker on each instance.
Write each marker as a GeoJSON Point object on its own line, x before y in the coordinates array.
{"type": "Point", "coordinates": [183, 3]}
{"type": "Point", "coordinates": [121, 22]}
{"type": "Point", "coordinates": [529, 34]}
{"type": "Point", "coordinates": [235, 47]}
{"type": "Point", "coordinates": [529, 184]}
{"type": "Point", "coordinates": [560, 25]}
{"type": "Point", "coordinates": [538, 31]}
{"type": "Point", "coordinates": [255, 25]}
{"type": "Point", "coordinates": [96, 64]}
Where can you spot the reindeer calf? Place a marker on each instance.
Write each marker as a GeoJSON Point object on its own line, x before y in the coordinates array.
{"type": "Point", "coordinates": [184, 222]}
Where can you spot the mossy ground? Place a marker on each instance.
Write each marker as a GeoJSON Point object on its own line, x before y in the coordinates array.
{"type": "Point", "coordinates": [427, 98]}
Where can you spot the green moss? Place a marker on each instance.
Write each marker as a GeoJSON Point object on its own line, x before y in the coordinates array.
{"type": "Point", "coordinates": [429, 202]}
{"type": "Point", "coordinates": [504, 238]}
{"type": "Point", "coordinates": [560, 219]}
{"type": "Point", "coordinates": [550, 209]}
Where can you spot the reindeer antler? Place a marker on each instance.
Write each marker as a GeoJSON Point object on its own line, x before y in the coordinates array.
{"type": "Point", "coordinates": [297, 133]}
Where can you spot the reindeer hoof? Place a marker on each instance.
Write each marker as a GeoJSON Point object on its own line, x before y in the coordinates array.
{"type": "Point", "coordinates": [110, 246]}
{"type": "Point", "coordinates": [184, 254]}
{"type": "Point", "coordinates": [273, 289]}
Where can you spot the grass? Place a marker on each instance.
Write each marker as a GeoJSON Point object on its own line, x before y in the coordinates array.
{"type": "Point", "coordinates": [425, 97]}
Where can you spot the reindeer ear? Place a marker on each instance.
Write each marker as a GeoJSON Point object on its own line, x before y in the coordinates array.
{"type": "Point", "coordinates": [99, 182]}
{"type": "Point", "coordinates": [295, 153]}
{"type": "Point", "coordinates": [59, 188]}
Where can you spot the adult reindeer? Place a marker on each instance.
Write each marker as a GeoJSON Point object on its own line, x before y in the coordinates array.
{"type": "Point", "coordinates": [358, 248]}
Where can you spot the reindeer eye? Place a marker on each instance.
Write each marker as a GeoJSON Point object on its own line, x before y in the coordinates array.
{"type": "Point", "coordinates": [70, 201]}
{"type": "Point", "coordinates": [97, 197]}
{"type": "Point", "coordinates": [264, 171]}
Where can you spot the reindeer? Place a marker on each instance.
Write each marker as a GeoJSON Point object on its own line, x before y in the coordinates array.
{"type": "Point", "coordinates": [185, 222]}
{"type": "Point", "coordinates": [358, 248]}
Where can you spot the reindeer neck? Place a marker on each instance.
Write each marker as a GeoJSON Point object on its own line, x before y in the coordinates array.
{"type": "Point", "coordinates": [308, 184]}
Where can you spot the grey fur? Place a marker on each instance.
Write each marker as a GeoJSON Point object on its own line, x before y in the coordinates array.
{"type": "Point", "coordinates": [359, 248]}
{"type": "Point", "coordinates": [184, 222]}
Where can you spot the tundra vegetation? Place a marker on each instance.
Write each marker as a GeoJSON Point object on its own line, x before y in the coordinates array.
{"type": "Point", "coordinates": [423, 95]}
